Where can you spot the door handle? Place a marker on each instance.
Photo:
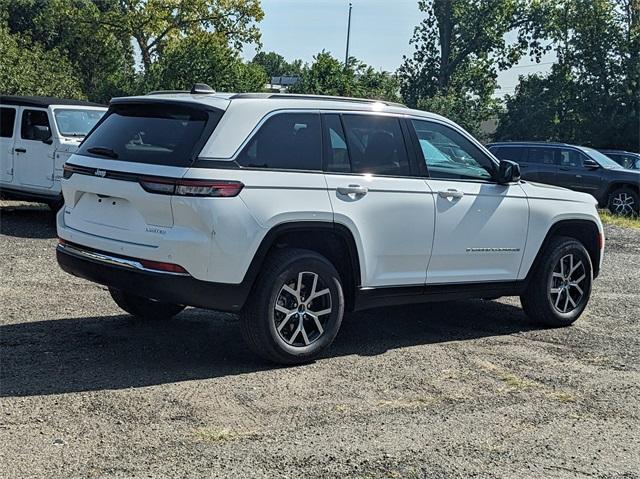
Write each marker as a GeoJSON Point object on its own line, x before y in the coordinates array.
{"type": "Point", "coordinates": [20, 150]}
{"type": "Point", "coordinates": [450, 193]}
{"type": "Point", "coordinates": [352, 190]}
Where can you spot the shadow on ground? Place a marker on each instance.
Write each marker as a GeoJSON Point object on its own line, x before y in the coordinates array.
{"type": "Point", "coordinates": [27, 221]}
{"type": "Point", "coordinates": [116, 352]}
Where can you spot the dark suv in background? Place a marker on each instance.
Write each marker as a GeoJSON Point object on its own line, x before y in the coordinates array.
{"type": "Point", "coordinates": [626, 159]}
{"type": "Point", "coordinates": [578, 168]}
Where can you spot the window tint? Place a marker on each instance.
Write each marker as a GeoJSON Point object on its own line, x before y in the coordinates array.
{"type": "Point", "coordinates": [7, 120]}
{"type": "Point", "coordinates": [288, 141]}
{"type": "Point", "coordinates": [542, 155]}
{"type": "Point", "coordinates": [151, 133]}
{"type": "Point", "coordinates": [336, 154]}
{"type": "Point", "coordinates": [626, 161]}
{"type": "Point", "coordinates": [376, 145]}
{"type": "Point", "coordinates": [35, 125]}
{"type": "Point", "coordinates": [570, 158]}
{"type": "Point", "coordinates": [448, 154]}
{"type": "Point", "coordinates": [513, 153]}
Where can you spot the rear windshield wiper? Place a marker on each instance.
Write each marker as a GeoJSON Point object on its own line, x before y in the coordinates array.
{"type": "Point", "coordinates": [103, 151]}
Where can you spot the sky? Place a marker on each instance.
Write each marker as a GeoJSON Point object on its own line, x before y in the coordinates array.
{"type": "Point", "coordinates": [380, 33]}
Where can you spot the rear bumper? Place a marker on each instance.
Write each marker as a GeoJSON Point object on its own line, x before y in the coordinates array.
{"type": "Point", "coordinates": [127, 275]}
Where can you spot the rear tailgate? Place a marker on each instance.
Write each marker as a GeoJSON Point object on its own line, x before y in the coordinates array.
{"type": "Point", "coordinates": [112, 203]}
{"type": "Point", "coordinates": [136, 139]}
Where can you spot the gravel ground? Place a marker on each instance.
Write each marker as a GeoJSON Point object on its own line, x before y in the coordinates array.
{"type": "Point", "coordinates": [439, 390]}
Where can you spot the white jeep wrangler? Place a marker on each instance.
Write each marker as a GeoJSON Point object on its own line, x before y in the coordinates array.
{"type": "Point", "coordinates": [291, 210]}
{"type": "Point", "coordinates": [37, 135]}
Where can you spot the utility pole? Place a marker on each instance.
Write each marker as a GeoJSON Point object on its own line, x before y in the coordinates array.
{"type": "Point", "coordinates": [346, 56]}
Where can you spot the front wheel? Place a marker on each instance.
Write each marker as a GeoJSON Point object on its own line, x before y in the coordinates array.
{"type": "Point", "coordinates": [624, 202]}
{"type": "Point", "coordinates": [144, 308]}
{"type": "Point", "coordinates": [559, 290]}
{"type": "Point", "coordinates": [295, 309]}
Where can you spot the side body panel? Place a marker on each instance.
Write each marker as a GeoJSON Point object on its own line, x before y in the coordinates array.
{"type": "Point", "coordinates": [480, 236]}
{"type": "Point", "coordinates": [33, 159]}
{"type": "Point", "coordinates": [549, 205]}
{"type": "Point", "coordinates": [6, 149]}
{"type": "Point", "coordinates": [392, 224]}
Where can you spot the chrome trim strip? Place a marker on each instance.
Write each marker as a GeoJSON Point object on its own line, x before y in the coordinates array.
{"type": "Point", "coordinates": [111, 260]}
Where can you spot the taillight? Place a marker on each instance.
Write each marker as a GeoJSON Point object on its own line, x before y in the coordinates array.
{"type": "Point", "coordinates": [68, 170]}
{"type": "Point", "coordinates": [179, 187]}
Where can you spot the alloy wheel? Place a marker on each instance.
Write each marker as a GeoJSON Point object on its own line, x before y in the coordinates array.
{"type": "Point", "coordinates": [623, 204]}
{"type": "Point", "coordinates": [567, 284]}
{"type": "Point", "coordinates": [302, 308]}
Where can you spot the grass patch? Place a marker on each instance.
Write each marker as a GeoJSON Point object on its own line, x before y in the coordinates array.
{"type": "Point", "coordinates": [622, 221]}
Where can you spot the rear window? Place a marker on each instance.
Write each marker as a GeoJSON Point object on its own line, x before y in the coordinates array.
{"type": "Point", "coordinates": [7, 120]}
{"type": "Point", "coordinates": [161, 134]}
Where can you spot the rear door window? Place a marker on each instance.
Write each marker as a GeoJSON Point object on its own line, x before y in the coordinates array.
{"type": "Point", "coordinates": [376, 145]}
{"type": "Point", "coordinates": [542, 155]}
{"type": "Point", "coordinates": [512, 153]}
{"type": "Point", "coordinates": [7, 121]}
{"type": "Point", "coordinates": [286, 141]}
{"type": "Point", "coordinates": [162, 133]}
{"type": "Point", "coordinates": [335, 142]}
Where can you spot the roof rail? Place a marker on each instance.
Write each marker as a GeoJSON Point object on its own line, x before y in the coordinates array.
{"type": "Point", "coordinates": [166, 92]}
{"type": "Point", "coordinates": [293, 96]}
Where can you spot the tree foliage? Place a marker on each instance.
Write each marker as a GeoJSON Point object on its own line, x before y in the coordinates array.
{"type": "Point", "coordinates": [28, 69]}
{"type": "Point", "coordinates": [204, 57]}
{"type": "Point", "coordinates": [154, 24]}
{"type": "Point", "coordinates": [460, 46]}
{"type": "Point", "coordinates": [103, 62]}
{"type": "Point", "coordinates": [591, 96]}
{"type": "Point", "coordinates": [275, 64]}
{"type": "Point", "coordinates": [328, 76]}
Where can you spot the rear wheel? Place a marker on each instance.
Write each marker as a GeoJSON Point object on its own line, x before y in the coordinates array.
{"type": "Point", "coordinates": [55, 205]}
{"type": "Point", "coordinates": [145, 308]}
{"type": "Point", "coordinates": [295, 309]}
{"type": "Point", "coordinates": [559, 290]}
{"type": "Point", "coordinates": [624, 202]}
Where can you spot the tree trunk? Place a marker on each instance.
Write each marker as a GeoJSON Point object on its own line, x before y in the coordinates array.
{"type": "Point", "coordinates": [443, 12]}
{"type": "Point", "coordinates": [144, 52]}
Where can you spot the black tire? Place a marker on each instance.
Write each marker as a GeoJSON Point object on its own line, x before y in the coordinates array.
{"type": "Point", "coordinates": [144, 308]}
{"type": "Point", "coordinates": [55, 205]}
{"type": "Point", "coordinates": [539, 301]}
{"type": "Point", "coordinates": [275, 335]}
{"type": "Point", "coordinates": [624, 201]}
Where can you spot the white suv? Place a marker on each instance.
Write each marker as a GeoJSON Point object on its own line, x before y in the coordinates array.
{"type": "Point", "coordinates": [37, 135]}
{"type": "Point", "coordinates": [291, 210]}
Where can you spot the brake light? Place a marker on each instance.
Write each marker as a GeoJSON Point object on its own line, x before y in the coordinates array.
{"type": "Point", "coordinates": [68, 170]}
{"type": "Point", "coordinates": [160, 266]}
{"type": "Point", "coordinates": [180, 187]}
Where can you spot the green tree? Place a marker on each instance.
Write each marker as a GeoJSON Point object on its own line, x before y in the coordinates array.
{"type": "Point", "coordinates": [153, 24]}
{"type": "Point", "coordinates": [103, 61]}
{"type": "Point", "coordinates": [275, 64]}
{"type": "Point", "coordinates": [459, 48]}
{"type": "Point", "coordinates": [28, 69]}
{"type": "Point", "coordinates": [204, 57]}
{"type": "Point", "coordinates": [591, 95]}
{"type": "Point", "coordinates": [328, 76]}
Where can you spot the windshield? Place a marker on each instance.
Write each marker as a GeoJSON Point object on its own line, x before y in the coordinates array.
{"type": "Point", "coordinates": [602, 159]}
{"type": "Point", "coordinates": [73, 122]}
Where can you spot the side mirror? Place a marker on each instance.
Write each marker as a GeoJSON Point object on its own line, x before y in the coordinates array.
{"type": "Point", "coordinates": [590, 164]}
{"type": "Point", "coordinates": [508, 172]}
{"type": "Point", "coordinates": [42, 133]}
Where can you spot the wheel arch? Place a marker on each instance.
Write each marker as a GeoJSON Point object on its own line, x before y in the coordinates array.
{"type": "Point", "coordinates": [583, 230]}
{"type": "Point", "coordinates": [614, 185]}
{"type": "Point", "coordinates": [332, 240]}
